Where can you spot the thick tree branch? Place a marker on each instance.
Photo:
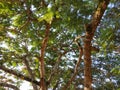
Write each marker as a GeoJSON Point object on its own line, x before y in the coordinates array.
{"type": "Point", "coordinates": [42, 52]}
{"type": "Point", "coordinates": [90, 30]}
{"type": "Point", "coordinates": [19, 75]}
{"type": "Point", "coordinates": [102, 6]}
{"type": "Point", "coordinates": [9, 85]}
{"type": "Point", "coordinates": [97, 16]}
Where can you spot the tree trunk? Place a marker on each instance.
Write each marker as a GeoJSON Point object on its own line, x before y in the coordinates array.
{"type": "Point", "coordinates": [90, 30]}
{"type": "Point", "coordinates": [43, 85]}
{"type": "Point", "coordinates": [87, 65]}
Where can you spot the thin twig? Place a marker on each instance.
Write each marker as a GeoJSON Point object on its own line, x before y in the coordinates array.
{"type": "Point", "coordinates": [76, 66]}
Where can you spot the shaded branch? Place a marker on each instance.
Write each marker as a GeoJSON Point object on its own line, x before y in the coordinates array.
{"type": "Point", "coordinates": [55, 67]}
{"type": "Point", "coordinates": [76, 66]}
{"type": "Point", "coordinates": [30, 72]}
{"type": "Point", "coordinates": [19, 75]}
{"type": "Point", "coordinates": [9, 85]}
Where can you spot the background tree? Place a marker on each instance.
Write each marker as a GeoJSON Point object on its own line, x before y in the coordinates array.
{"type": "Point", "coordinates": [39, 36]}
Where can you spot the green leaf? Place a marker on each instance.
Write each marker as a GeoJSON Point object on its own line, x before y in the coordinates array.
{"type": "Point", "coordinates": [15, 20]}
{"type": "Point", "coordinates": [14, 64]}
{"type": "Point", "coordinates": [48, 17]}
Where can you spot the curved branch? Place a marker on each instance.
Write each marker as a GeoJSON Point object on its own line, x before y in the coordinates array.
{"type": "Point", "coordinates": [76, 67]}
{"type": "Point", "coordinates": [9, 85]}
{"type": "Point", "coordinates": [19, 75]}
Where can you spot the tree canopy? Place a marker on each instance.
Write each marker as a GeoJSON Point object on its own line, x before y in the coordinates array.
{"type": "Point", "coordinates": [31, 29]}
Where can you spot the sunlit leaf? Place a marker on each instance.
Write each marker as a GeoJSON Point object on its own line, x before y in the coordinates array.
{"type": "Point", "coordinates": [47, 17]}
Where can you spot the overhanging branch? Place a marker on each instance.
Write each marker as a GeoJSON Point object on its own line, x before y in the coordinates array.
{"type": "Point", "coordinates": [19, 75]}
{"type": "Point", "coordinates": [9, 85]}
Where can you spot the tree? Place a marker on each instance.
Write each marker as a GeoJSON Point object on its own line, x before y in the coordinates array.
{"type": "Point", "coordinates": [44, 41]}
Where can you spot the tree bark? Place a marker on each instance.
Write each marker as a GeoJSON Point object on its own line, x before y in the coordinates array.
{"type": "Point", "coordinates": [90, 30]}
{"type": "Point", "coordinates": [43, 85]}
{"type": "Point", "coordinates": [87, 65]}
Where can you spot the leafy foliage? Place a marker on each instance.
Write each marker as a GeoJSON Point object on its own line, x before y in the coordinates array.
{"type": "Point", "coordinates": [22, 29]}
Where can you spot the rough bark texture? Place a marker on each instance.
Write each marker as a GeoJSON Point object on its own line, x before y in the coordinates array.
{"type": "Point", "coordinates": [90, 30]}
{"type": "Point", "coordinates": [42, 52]}
{"type": "Point", "coordinates": [87, 63]}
